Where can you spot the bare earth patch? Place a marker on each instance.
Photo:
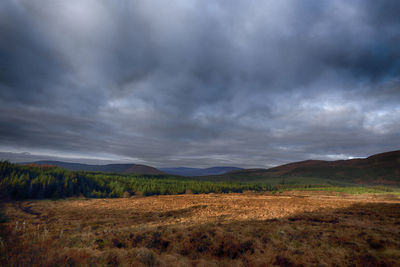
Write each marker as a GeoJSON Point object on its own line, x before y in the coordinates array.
{"type": "Point", "coordinates": [249, 229]}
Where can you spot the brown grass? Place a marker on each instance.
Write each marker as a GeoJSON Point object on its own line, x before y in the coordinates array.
{"type": "Point", "coordinates": [290, 229]}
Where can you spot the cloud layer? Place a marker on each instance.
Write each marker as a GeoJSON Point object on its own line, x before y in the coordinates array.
{"type": "Point", "coordinates": [194, 83]}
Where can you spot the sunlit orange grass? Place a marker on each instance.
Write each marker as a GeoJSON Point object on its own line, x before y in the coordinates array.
{"type": "Point", "coordinates": [221, 229]}
{"type": "Point", "coordinates": [184, 209]}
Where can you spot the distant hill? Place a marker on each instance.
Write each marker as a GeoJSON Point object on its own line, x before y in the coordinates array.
{"type": "Point", "coordinates": [182, 171]}
{"type": "Point", "coordinates": [118, 168]}
{"type": "Point", "coordinates": [379, 169]}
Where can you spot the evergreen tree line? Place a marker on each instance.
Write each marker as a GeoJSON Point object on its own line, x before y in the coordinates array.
{"type": "Point", "coordinates": [38, 182]}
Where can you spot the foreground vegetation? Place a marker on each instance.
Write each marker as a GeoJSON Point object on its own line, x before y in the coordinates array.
{"type": "Point", "coordinates": [292, 228]}
{"type": "Point", "coordinates": [37, 182]}
{"type": "Point", "coordinates": [315, 222]}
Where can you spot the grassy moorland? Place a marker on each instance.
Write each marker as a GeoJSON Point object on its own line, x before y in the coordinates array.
{"type": "Point", "coordinates": [75, 218]}
{"type": "Point", "coordinates": [293, 228]}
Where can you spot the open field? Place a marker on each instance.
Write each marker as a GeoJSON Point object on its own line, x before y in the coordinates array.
{"type": "Point", "coordinates": [295, 228]}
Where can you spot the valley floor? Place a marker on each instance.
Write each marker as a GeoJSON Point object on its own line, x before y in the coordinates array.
{"type": "Point", "coordinates": [294, 228]}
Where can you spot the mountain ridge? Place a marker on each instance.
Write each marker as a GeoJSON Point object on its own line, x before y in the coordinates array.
{"type": "Point", "coordinates": [136, 168]}
{"type": "Point", "coordinates": [382, 168]}
{"type": "Point", "coordinates": [379, 169]}
{"type": "Point", "coordinates": [185, 171]}
{"type": "Point", "coordinates": [121, 168]}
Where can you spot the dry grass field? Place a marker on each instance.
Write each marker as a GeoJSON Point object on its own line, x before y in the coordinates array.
{"type": "Point", "coordinates": [249, 229]}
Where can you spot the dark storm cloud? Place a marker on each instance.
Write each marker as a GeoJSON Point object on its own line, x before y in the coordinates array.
{"type": "Point", "coordinates": [28, 64]}
{"type": "Point", "coordinates": [253, 83]}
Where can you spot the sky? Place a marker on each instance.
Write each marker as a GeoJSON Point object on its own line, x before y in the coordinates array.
{"type": "Point", "coordinates": [199, 83]}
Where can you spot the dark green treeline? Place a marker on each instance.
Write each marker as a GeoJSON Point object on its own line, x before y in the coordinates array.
{"type": "Point", "coordinates": [34, 182]}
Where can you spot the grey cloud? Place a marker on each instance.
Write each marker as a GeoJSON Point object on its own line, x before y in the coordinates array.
{"type": "Point", "coordinates": [200, 84]}
{"type": "Point", "coordinates": [28, 64]}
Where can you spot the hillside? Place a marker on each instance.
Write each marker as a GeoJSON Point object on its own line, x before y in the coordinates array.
{"type": "Point", "coordinates": [183, 171]}
{"type": "Point", "coordinates": [117, 168]}
{"type": "Point", "coordinates": [379, 169]}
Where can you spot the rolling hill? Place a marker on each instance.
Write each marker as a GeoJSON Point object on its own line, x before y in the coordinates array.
{"type": "Point", "coordinates": [379, 169]}
{"type": "Point", "coordinates": [116, 168]}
